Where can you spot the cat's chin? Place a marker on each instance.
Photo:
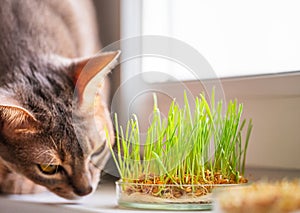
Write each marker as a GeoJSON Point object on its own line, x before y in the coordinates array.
{"type": "Point", "coordinates": [70, 194]}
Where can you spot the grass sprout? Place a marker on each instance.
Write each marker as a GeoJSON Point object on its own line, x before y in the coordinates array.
{"type": "Point", "coordinates": [198, 146]}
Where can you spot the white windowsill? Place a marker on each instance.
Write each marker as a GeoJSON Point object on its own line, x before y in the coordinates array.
{"type": "Point", "coordinates": [104, 199]}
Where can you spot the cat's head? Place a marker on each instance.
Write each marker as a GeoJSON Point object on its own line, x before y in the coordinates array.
{"type": "Point", "coordinates": [52, 122]}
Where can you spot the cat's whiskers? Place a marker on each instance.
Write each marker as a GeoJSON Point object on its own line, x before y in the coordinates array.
{"type": "Point", "coordinates": [51, 162]}
{"type": "Point", "coordinates": [52, 140]}
{"type": "Point", "coordinates": [60, 144]}
{"type": "Point", "coordinates": [49, 153]}
{"type": "Point", "coordinates": [44, 152]}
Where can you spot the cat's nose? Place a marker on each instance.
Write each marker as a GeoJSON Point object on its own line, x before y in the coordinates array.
{"type": "Point", "coordinates": [83, 191]}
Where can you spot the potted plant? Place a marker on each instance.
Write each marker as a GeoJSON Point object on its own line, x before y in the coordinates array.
{"type": "Point", "coordinates": [184, 156]}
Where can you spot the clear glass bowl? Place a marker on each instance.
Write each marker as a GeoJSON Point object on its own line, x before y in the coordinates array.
{"type": "Point", "coordinates": [166, 196]}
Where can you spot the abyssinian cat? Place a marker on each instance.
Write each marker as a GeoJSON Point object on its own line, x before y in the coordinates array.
{"type": "Point", "coordinates": [52, 118]}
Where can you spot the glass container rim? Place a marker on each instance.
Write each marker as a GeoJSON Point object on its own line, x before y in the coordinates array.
{"type": "Point", "coordinates": [121, 182]}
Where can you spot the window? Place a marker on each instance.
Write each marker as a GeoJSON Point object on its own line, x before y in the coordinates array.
{"type": "Point", "coordinates": [237, 38]}
{"type": "Point", "coordinates": [252, 48]}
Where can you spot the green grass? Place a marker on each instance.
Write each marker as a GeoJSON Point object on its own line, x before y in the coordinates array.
{"type": "Point", "coordinates": [187, 146]}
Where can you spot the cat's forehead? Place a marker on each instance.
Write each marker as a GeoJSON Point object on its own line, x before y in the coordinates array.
{"type": "Point", "coordinates": [62, 147]}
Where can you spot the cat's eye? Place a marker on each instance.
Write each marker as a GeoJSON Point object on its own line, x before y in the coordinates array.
{"type": "Point", "coordinates": [49, 169]}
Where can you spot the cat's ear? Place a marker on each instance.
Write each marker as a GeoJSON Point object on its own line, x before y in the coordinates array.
{"type": "Point", "coordinates": [16, 119]}
{"type": "Point", "coordinates": [89, 73]}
